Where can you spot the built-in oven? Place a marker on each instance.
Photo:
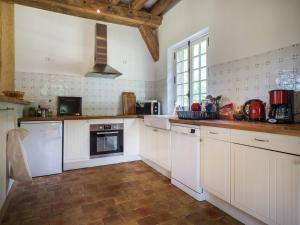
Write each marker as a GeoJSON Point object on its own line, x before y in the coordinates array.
{"type": "Point", "coordinates": [106, 140]}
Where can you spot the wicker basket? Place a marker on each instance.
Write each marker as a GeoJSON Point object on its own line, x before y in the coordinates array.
{"type": "Point", "coordinates": [187, 115]}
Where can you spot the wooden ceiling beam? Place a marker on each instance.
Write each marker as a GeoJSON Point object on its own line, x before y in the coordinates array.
{"type": "Point", "coordinates": [151, 41]}
{"type": "Point", "coordinates": [160, 6]}
{"type": "Point", "coordinates": [115, 2]}
{"type": "Point", "coordinates": [88, 9]}
{"type": "Point", "coordinates": [138, 4]}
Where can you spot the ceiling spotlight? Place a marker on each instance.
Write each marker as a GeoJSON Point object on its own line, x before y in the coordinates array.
{"type": "Point", "coordinates": [98, 11]}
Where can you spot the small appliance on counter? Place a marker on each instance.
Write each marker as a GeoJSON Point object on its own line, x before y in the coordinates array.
{"type": "Point", "coordinates": [69, 106]}
{"type": "Point", "coordinates": [150, 107]}
{"type": "Point", "coordinates": [284, 106]}
{"type": "Point", "coordinates": [255, 110]}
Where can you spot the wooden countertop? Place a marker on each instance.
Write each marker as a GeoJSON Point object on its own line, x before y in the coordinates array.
{"type": "Point", "coordinates": [13, 100]}
{"type": "Point", "coordinates": [284, 129]}
{"type": "Point", "coordinates": [62, 118]}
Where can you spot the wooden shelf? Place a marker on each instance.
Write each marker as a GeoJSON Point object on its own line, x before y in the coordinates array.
{"type": "Point", "coordinates": [13, 100]}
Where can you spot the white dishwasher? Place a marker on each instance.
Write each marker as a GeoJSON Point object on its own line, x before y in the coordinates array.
{"type": "Point", "coordinates": [43, 146]}
{"type": "Point", "coordinates": [185, 171]}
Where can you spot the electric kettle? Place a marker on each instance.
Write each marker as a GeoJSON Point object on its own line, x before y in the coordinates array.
{"type": "Point", "coordinates": [255, 110]}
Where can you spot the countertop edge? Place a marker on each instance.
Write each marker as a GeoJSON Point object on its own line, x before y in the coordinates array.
{"type": "Point", "coordinates": [63, 118]}
{"type": "Point", "coordinates": [280, 129]}
{"type": "Point", "coordinates": [4, 99]}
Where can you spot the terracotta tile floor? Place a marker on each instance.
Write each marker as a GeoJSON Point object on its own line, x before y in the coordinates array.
{"type": "Point", "coordinates": [129, 193]}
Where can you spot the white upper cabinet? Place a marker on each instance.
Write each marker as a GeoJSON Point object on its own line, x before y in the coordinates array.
{"type": "Point", "coordinates": [215, 167]}
{"type": "Point", "coordinates": [131, 136]}
{"type": "Point", "coordinates": [76, 140]}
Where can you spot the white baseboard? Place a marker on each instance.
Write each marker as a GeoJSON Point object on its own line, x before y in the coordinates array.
{"type": "Point", "coordinates": [198, 196]}
{"type": "Point", "coordinates": [101, 162]}
{"type": "Point", "coordinates": [232, 211]}
{"type": "Point", "coordinates": [158, 168]}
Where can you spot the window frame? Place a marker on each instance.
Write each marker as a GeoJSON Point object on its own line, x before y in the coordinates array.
{"type": "Point", "coordinates": [189, 45]}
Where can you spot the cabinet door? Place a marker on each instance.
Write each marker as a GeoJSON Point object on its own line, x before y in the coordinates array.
{"type": "Point", "coordinates": [76, 140]}
{"type": "Point", "coordinates": [285, 189]}
{"type": "Point", "coordinates": [250, 177]}
{"type": "Point", "coordinates": [3, 136]}
{"type": "Point", "coordinates": [215, 167]}
{"type": "Point", "coordinates": [163, 148]}
{"type": "Point", "coordinates": [150, 145]}
{"type": "Point", "coordinates": [131, 137]}
{"type": "Point", "coordinates": [142, 146]}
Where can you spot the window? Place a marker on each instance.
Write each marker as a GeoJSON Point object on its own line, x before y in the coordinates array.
{"type": "Point", "coordinates": [191, 72]}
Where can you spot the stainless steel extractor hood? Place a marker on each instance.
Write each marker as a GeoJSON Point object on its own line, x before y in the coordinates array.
{"type": "Point", "coordinates": [101, 68]}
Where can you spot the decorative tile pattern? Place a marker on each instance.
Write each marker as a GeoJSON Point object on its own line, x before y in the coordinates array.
{"type": "Point", "coordinates": [122, 194]}
{"type": "Point", "coordinates": [100, 96]}
{"type": "Point", "coordinates": [253, 77]}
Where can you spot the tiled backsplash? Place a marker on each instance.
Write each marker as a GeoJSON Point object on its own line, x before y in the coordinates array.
{"type": "Point", "coordinates": [253, 77]}
{"type": "Point", "coordinates": [237, 81]}
{"type": "Point", "coordinates": [100, 96]}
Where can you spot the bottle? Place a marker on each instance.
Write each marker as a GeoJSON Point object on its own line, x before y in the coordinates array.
{"type": "Point", "coordinates": [39, 111]}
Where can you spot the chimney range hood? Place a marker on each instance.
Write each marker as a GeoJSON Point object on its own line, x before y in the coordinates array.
{"type": "Point", "coordinates": [101, 68]}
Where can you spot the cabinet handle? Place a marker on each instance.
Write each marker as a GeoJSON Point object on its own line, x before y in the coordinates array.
{"type": "Point", "coordinates": [7, 109]}
{"type": "Point", "coordinates": [155, 130]}
{"type": "Point", "coordinates": [261, 140]}
{"type": "Point", "coordinates": [211, 132]}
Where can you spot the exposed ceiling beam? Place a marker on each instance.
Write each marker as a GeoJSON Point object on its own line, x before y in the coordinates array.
{"type": "Point", "coordinates": [151, 41]}
{"type": "Point", "coordinates": [88, 9]}
{"type": "Point", "coordinates": [138, 4]}
{"type": "Point", "coordinates": [160, 6]}
{"type": "Point", "coordinates": [115, 2]}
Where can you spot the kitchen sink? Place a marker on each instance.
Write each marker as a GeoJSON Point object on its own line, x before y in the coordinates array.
{"type": "Point", "coordinates": [158, 121]}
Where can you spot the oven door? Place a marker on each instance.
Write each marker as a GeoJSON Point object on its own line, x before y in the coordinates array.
{"type": "Point", "coordinates": [105, 143]}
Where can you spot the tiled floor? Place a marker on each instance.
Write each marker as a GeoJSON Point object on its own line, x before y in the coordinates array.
{"type": "Point", "coordinates": [129, 193]}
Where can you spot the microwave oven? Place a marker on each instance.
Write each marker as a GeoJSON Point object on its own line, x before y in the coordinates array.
{"type": "Point", "coordinates": [69, 106]}
{"type": "Point", "coordinates": [150, 107]}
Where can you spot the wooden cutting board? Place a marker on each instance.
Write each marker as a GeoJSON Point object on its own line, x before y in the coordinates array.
{"type": "Point", "coordinates": [129, 103]}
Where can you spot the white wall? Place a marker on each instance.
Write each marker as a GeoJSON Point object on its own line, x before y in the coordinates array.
{"type": "Point", "coordinates": [237, 28]}
{"type": "Point", "coordinates": [53, 43]}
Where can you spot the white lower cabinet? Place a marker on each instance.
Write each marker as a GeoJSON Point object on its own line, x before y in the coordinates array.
{"type": "Point", "coordinates": [155, 145]}
{"type": "Point", "coordinates": [163, 152]}
{"type": "Point", "coordinates": [215, 167]}
{"type": "Point", "coordinates": [131, 137]}
{"type": "Point", "coordinates": [265, 184]}
{"type": "Point", "coordinates": [76, 141]}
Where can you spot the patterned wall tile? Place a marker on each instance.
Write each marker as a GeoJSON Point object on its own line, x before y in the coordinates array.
{"type": "Point", "coordinates": [100, 96]}
{"type": "Point", "coordinates": [253, 77]}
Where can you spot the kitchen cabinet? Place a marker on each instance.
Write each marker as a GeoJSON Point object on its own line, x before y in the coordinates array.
{"type": "Point", "coordinates": [265, 184]}
{"type": "Point", "coordinates": [215, 166]}
{"type": "Point", "coordinates": [3, 165]}
{"type": "Point", "coordinates": [163, 150]}
{"type": "Point", "coordinates": [155, 145]}
{"type": "Point", "coordinates": [8, 120]}
{"type": "Point", "coordinates": [76, 141]}
{"type": "Point", "coordinates": [131, 137]}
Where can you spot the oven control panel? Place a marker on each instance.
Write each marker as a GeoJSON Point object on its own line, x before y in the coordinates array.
{"type": "Point", "coordinates": [102, 127]}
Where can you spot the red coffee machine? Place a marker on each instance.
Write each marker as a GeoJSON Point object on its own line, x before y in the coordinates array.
{"type": "Point", "coordinates": [255, 110]}
{"type": "Point", "coordinates": [281, 106]}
